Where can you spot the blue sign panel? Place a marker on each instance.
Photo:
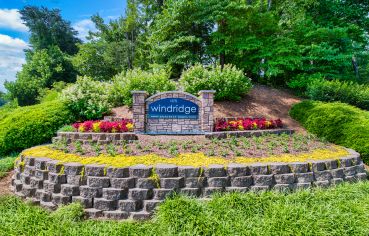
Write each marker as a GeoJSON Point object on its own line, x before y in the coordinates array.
{"type": "Point", "coordinates": [169, 108]}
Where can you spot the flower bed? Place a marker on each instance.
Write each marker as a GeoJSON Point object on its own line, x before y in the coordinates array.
{"type": "Point", "coordinates": [103, 126]}
{"type": "Point", "coordinates": [240, 124]}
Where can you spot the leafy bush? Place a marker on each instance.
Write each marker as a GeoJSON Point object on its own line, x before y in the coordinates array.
{"type": "Point", "coordinates": [229, 83]}
{"type": "Point", "coordinates": [347, 92]}
{"type": "Point", "coordinates": [28, 126]}
{"type": "Point", "coordinates": [151, 82]}
{"type": "Point", "coordinates": [336, 122]}
{"type": "Point", "coordinates": [88, 99]}
{"type": "Point", "coordinates": [6, 164]}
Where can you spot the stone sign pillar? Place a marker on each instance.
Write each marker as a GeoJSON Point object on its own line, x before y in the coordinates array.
{"type": "Point", "coordinates": [207, 110]}
{"type": "Point", "coordinates": [139, 110]}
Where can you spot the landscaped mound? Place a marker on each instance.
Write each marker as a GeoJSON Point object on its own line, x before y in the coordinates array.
{"type": "Point", "coordinates": [193, 150]}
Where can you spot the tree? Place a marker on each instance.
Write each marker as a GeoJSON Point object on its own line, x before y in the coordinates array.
{"type": "Point", "coordinates": [2, 98]}
{"type": "Point", "coordinates": [43, 68]}
{"type": "Point", "coordinates": [48, 28]}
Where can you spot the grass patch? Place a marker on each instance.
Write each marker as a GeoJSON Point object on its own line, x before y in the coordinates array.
{"type": "Point", "coordinates": [343, 210]}
{"type": "Point", "coordinates": [192, 159]}
{"type": "Point", "coordinates": [6, 164]}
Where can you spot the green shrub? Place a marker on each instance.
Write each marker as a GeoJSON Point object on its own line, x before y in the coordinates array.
{"type": "Point", "coordinates": [88, 99]}
{"type": "Point", "coordinates": [229, 83]}
{"type": "Point", "coordinates": [339, 123]}
{"type": "Point", "coordinates": [151, 82]}
{"type": "Point", "coordinates": [28, 126]}
{"type": "Point", "coordinates": [72, 212]}
{"type": "Point", "coordinates": [6, 164]}
{"type": "Point", "coordinates": [347, 92]}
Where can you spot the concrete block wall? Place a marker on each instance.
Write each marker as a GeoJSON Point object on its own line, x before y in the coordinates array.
{"type": "Point", "coordinates": [133, 192]}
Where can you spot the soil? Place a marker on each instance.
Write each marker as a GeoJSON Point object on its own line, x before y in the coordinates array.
{"type": "Point", "coordinates": [4, 184]}
{"type": "Point", "coordinates": [262, 101]}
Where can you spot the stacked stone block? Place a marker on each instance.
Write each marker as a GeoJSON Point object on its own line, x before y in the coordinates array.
{"type": "Point", "coordinates": [135, 192]}
{"type": "Point", "coordinates": [139, 98]}
{"type": "Point", "coordinates": [100, 138]}
{"type": "Point", "coordinates": [207, 110]}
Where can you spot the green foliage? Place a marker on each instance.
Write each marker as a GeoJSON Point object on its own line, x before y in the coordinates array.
{"type": "Point", "coordinates": [343, 210]}
{"type": "Point", "coordinates": [150, 81]}
{"type": "Point", "coordinates": [48, 28]}
{"type": "Point", "coordinates": [25, 127]}
{"type": "Point", "coordinates": [339, 123]}
{"type": "Point", "coordinates": [70, 213]}
{"type": "Point", "coordinates": [88, 99]}
{"type": "Point", "coordinates": [229, 82]}
{"type": "Point", "coordinates": [347, 92]}
{"type": "Point", "coordinates": [51, 94]}
{"type": "Point", "coordinates": [43, 68]}
{"type": "Point", "coordinates": [67, 128]}
{"type": "Point", "coordinates": [6, 164]}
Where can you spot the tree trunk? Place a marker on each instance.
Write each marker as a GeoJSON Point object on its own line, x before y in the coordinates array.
{"type": "Point", "coordinates": [355, 67]}
{"type": "Point", "coordinates": [269, 4]}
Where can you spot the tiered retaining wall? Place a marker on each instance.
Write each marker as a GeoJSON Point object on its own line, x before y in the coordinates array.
{"type": "Point", "coordinates": [101, 138]}
{"type": "Point", "coordinates": [134, 192]}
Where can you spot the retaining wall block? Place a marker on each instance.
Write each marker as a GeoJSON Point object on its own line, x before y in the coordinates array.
{"type": "Point", "coordinates": [304, 177]}
{"type": "Point", "coordinates": [141, 215]}
{"type": "Point", "coordinates": [139, 194]}
{"type": "Point", "coordinates": [122, 182]}
{"type": "Point", "coordinates": [29, 161]}
{"type": "Point", "coordinates": [92, 213]}
{"type": "Point", "coordinates": [318, 166]}
{"type": "Point", "coordinates": [151, 205]}
{"type": "Point", "coordinates": [57, 178]}
{"type": "Point", "coordinates": [323, 175]}
{"type": "Point", "coordinates": [237, 170]}
{"type": "Point", "coordinates": [284, 178]}
{"type": "Point", "coordinates": [349, 171]}
{"type": "Point", "coordinates": [129, 205]}
{"type": "Point", "coordinates": [218, 182]}
{"type": "Point", "coordinates": [73, 168]}
{"type": "Point", "coordinates": [116, 215]}
{"type": "Point", "coordinates": [54, 166]}
{"type": "Point", "coordinates": [166, 171]}
{"type": "Point", "coordinates": [113, 172]}
{"type": "Point", "coordinates": [36, 183]}
{"type": "Point", "coordinates": [161, 194]}
{"type": "Point", "coordinates": [140, 171]}
{"type": "Point", "coordinates": [29, 170]}
{"type": "Point", "coordinates": [284, 187]}
{"type": "Point", "coordinates": [69, 190]}
{"type": "Point", "coordinates": [242, 181]}
{"type": "Point", "coordinates": [85, 202]}
{"type": "Point", "coordinates": [331, 164]}
{"type": "Point", "coordinates": [48, 205]}
{"type": "Point", "coordinates": [94, 170]}
{"type": "Point", "coordinates": [90, 192]}
{"type": "Point", "coordinates": [40, 163]}
{"type": "Point", "coordinates": [76, 180]}
{"type": "Point", "coordinates": [263, 180]}
{"type": "Point", "coordinates": [146, 183]}
{"type": "Point", "coordinates": [98, 182]}
{"type": "Point", "coordinates": [361, 176]}
{"type": "Point", "coordinates": [346, 162]}
{"type": "Point", "coordinates": [322, 184]}
{"type": "Point", "coordinates": [259, 169]}
{"type": "Point", "coordinates": [260, 188]}
{"type": "Point", "coordinates": [299, 167]}
{"type": "Point", "coordinates": [25, 179]}
{"type": "Point", "coordinates": [51, 187]}
{"type": "Point", "coordinates": [338, 173]}
{"type": "Point", "coordinates": [42, 174]}
{"type": "Point", "coordinates": [105, 204]}
{"type": "Point", "coordinates": [28, 191]}
{"type": "Point", "coordinates": [114, 193]}
{"type": "Point", "coordinates": [279, 168]}
{"type": "Point", "coordinates": [60, 199]}
{"type": "Point", "coordinates": [172, 183]}
{"type": "Point", "coordinates": [215, 171]}
{"type": "Point", "coordinates": [208, 191]}
{"type": "Point", "coordinates": [238, 189]}
{"type": "Point", "coordinates": [192, 192]}
{"type": "Point", "coordinates": [195, 182]}
{"type": "Point", "coordinates": [303, 186]}
{"type": "Point", "coordinates": [188, 171]}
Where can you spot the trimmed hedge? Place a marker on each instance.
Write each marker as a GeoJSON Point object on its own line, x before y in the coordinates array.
{"type": "Point", "coordinates": [337, 91]}
{"type": "Point", "coordinates": [336, 122]}
{"type": "Point", "coordinates": [32, 125]}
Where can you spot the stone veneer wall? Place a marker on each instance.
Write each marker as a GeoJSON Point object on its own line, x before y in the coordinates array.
{"type": "Point", "coordinates": [143, 124]}
{"type": "Point", "coordinates": [101, 138]}
{"type": "Point", "coordinates": [133, 192]}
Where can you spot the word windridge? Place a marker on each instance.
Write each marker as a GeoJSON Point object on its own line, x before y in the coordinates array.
{"type": "Point", "coordinates": [174, 109]}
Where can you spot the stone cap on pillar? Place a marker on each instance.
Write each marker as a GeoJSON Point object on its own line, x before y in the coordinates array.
{"type": "Point", "coordinates": [206, 91]}
{"type": "Point", "coordinates": [139, 92]}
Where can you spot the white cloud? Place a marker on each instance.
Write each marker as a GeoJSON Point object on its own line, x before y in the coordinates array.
{"type": "Point", "coordinates": [11, 58]}
{"type": "Point", "coordinates": [11, 19]}
{"type": "Point", "coordinates": [83, 27]}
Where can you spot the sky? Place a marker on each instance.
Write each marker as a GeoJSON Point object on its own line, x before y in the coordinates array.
{"type": "Point", "coordinates": [14, 34]}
